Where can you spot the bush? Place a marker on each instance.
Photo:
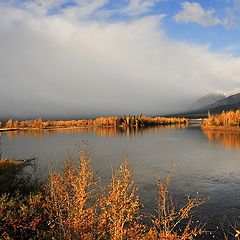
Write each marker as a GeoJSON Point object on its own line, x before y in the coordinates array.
{"type": "Point", "coordinates": [71, 206]}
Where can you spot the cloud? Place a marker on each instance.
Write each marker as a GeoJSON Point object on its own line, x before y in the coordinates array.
{"type": "Point", "coordinates": [50, 65]}
{"type": "Point", "coordinates": [73, 10]}
{"type": "Point", "coordinates": [232, 16]}
{"type": "Point", "coordinates": [193, 12]}
{"type": "Point", "coordinates": [138, 7]}
{"type": "Point", "coordinates": [83, 9]}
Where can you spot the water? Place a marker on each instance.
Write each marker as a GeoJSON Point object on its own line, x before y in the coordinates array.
{"type": "Point", "coordinates": [204, 162]}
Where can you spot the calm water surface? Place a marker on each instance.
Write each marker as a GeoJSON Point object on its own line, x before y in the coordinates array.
{"type": "Point", "coordinates": [204, 162]}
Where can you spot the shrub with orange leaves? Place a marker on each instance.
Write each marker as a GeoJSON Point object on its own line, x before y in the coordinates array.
{"type": "Point", "coordinates": [71, 207]}
{"type": "Point", "coordinates": [170, 222]}
{"type": "Point", "coordinates": [120, 208]}
{"type": "Point", "coordinates": [70, 200]}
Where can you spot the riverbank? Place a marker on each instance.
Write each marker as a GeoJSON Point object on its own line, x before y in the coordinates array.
{"type": "Point", "coordinates": [225, 121]}
{"type": "Point", "coordinates": [48, 128]}
{"type": "Point", "coordinates": [113, 121]}
{"type": "Point", "coordinates": [222, 128]}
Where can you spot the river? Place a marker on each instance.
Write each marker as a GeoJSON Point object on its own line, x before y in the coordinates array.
{"type": "Point", "coordinates": [206, 163]}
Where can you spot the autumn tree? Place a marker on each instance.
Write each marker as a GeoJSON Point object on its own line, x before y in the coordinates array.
{"type": "Point", "coordinates": [9, 123]}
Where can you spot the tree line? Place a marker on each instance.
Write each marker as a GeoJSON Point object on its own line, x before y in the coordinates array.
{"type": "Point", "coordinates": [228, 118]}
{"type": "Point", "coordinates": [125, 121]}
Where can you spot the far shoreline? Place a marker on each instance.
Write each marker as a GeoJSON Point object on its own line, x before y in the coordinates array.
{"type": "Point", "coordinates": [222, 128]}
{"type": "Point", "coordinates": [85, 127]}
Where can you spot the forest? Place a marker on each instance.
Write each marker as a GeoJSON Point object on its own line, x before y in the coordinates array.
{"type": "Point", "coordinates": [226, 119]}
{"type": "Point", "coordinates": [125, 121]}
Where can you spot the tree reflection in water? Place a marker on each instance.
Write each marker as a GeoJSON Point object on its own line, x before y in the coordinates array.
{"type": "Point", "coordinates": [229, 139]}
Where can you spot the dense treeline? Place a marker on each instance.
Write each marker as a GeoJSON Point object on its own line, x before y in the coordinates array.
{"type": "Point", "coordinates": [137, 121]}
{"type": "Point", "coordinates": [229, 118]}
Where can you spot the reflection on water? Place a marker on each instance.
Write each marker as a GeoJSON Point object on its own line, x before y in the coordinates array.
{"type": "Point", "coordinates": [226, 138]}
{"type": "Point", "coordinates": [99, 131]}
{"type": "Point", "coordinates": [201, 165]}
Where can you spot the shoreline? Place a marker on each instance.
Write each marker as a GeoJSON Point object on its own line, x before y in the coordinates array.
{"type": "Point", "coordinates": [85, 127]}
{"type": "Point", "coordinates": [51, 128]}
{"type": "Point", "coordinates": [222, 128]}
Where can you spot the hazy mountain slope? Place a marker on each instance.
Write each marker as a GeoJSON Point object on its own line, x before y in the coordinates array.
{"type": "Point", "coordinates": [207, 100]}
{"type": "Point", "coordinates": [231, 102]}
{"type": "Point", "coordinates": [228, 101]}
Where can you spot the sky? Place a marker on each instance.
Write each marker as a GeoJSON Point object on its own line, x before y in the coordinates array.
{"type": "Point", "coordinates": [86, 58]}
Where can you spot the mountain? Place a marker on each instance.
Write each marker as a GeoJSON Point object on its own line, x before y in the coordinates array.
{"type": "Point", "coordinates": [213, 103]}
{"type": "Point", "coordinates": [207, 100]}
{"type": "Point", "coordinates": [231, 102]}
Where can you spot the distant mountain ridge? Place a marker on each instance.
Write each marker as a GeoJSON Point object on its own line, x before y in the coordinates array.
{"type": "Point", "coordinates": [231, 102]}
{"type": "Point", "coordinates": [213, 103]}
{"type": "Point", "coordinates": [207, 100]}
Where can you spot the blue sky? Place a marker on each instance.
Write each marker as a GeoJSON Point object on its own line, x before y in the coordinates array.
{"type": "Point", "coordinates": [115, 57]}
{"type": "Point", "coordinates": [221, 30]}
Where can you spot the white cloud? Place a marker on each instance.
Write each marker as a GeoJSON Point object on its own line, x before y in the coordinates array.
{"type": "Point", "coordinates": [83, 9]}
{"type": "Point", "coordinates": [232, 16]}
{"type": "Point", "coordinates": [193, 12]}
{"type": "Point", "coordinates": [78, 8]}
{"type": "Point", "coordinates": [131, 8]}
{"type": "Point", "coordinates": [50, 65]}
{"type": "Point", "coordinates": [138, 7]}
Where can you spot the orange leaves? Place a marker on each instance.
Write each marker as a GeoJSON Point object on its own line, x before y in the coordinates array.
{"type": "Point", "coordinates": [229, 118]}
{"type": "Point", "coordinates": [120, 207]}
{"type": "Point", "coordinates": [113, 121]}
{"type": "Point", "coordinates": [171, 222]}
{"type": "Point", "coordinates": [71, 206]}
{"type": "Point", "coordinates": [69, 197]}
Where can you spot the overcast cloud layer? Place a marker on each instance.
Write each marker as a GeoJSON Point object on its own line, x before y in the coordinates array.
{"type": "Point", "coordinates": [58, 66]}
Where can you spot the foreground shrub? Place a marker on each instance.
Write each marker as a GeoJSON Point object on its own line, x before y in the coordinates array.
{"type": "Point", "coordinates": [71, 202]}
{"type": "Point", "coordinates": [120, 208]}
{"type": "Point", "coordinates": [18, 175]}
{"type": "Point", "coordinates": [72, 207]}
{"type": "Point", "coordinates": [22, 217]}
{"type": "Point", "coordinates": [171, 222]}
